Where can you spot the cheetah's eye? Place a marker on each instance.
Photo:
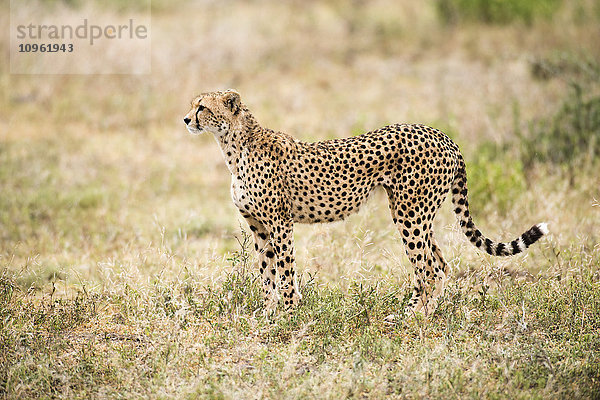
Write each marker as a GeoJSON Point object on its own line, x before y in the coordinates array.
{"type": "Point", "coordinates": [201, 108]}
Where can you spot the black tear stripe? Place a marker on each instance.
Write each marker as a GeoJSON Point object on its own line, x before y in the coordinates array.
{"type": "Point", "coordinates": [197, 120]}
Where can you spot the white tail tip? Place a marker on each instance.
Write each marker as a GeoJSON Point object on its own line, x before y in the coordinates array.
{"type": "Point", "coordinates": [543, 227]}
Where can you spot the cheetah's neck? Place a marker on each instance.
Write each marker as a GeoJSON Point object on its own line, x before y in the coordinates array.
{"type": "Point", "coordinates": [233, 142]}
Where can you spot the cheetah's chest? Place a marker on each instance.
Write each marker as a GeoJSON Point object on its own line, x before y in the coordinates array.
{"type": "Point", "coordinates": [239, 193]}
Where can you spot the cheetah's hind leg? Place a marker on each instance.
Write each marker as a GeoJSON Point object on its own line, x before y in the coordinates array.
{"type": "Point", "coordinates": [417, 236]}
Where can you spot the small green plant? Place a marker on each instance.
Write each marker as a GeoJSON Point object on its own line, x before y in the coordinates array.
{"type": "Point", "coordinates": [496, 11]}
{"type": "Point", "coordinates": [494, 177]}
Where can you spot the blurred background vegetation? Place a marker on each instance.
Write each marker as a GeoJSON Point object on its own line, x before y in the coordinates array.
{"type": "Point", "coordinates": [497, 11]}
{"type": "Point", "coordinates": [116, 224]}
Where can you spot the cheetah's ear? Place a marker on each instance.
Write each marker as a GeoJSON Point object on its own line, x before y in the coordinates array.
{"type": "Point", "coordinates": [232, 100]}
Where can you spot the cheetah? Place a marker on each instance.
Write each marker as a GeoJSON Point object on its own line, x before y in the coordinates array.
{"type": "Point", "coordinates": [277, 180]}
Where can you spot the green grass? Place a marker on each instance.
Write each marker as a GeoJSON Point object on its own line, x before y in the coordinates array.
{"type": "Point", "coordinates": [518, 339]}
{"type": "Point", "coordinates": [494, 178]}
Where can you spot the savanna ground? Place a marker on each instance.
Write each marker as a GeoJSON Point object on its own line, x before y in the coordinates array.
{"type": "Point", "coordinates": [125, 270]}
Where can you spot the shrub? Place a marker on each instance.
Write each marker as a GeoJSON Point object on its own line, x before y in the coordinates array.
{"type": "Point", "coordinates": [570, 138]}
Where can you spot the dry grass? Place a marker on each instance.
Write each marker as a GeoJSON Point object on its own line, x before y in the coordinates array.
{"type": "Point", "coordinates": [122, 275]}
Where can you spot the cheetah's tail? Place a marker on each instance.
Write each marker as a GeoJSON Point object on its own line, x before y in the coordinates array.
{"type": "Point", "coordinates": [461, 208]}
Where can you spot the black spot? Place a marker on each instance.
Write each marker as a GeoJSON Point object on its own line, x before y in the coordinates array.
{"type": "Point", "coordinates": [515, 246]}
{"type": "Point", "coordinates": [488, 246]}
{"type": "Point", "coordinates": [500, 249]}
{"type": "Point", "coordinates": [527, 238]}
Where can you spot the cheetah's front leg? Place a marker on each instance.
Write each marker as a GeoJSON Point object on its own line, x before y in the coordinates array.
{"type": "Point", "coordinates": [266, 263]}
{"type": "Point", "coordinates": [282, 239]}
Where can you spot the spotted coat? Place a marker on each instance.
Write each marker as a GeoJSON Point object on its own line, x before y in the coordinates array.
{"type": "Point", "coordinates": [278, 180]}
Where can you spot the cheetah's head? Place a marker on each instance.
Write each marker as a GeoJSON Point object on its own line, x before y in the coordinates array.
{"type": "Point", "coordinates": [215, 112]}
